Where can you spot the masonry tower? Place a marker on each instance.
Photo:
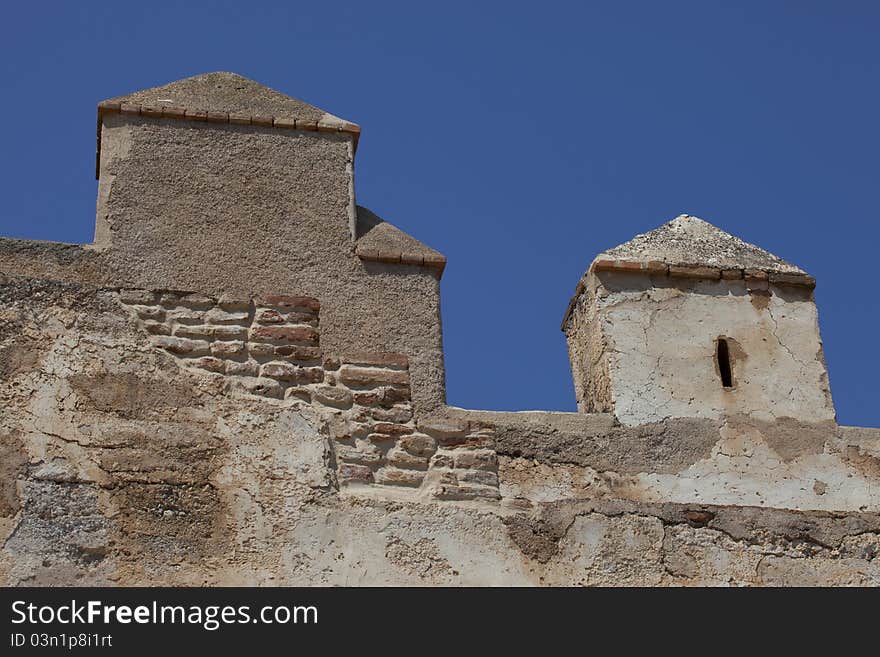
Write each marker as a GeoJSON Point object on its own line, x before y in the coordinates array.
{"type": "Point", "coordinates": [690, 321]}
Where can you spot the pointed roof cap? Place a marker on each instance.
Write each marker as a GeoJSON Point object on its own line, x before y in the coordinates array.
{"type": "Point", "coordinates": [689, 241]}
{"type": "Point", "coordinates": [224, 97]}
{"type": "Point", "coordinates": [688, 247]}
{"type": "Point", "coordinates": [380, 241]}
{"type": "Point", "coordinates": [225, 92]}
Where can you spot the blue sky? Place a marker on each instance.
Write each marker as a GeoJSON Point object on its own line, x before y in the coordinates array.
{"type": "Point", "coordinates": [519, 139]}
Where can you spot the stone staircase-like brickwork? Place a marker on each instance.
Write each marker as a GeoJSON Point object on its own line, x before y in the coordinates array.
{"type": "Point", "coordinates": [269, 346]}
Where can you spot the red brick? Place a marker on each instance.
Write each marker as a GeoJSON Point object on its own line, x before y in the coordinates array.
{"type": "Point", "coordinates": [332, 396]}
{"type": "Point", "coordinates": [397, 414]}
{"type": "Point", "coordinates": [209, 363]}
{"type": "Point", "coordinates": [329, 125]}
{"type": "Point", "coordinates": [656, 268]}
{"type": "Point", "coordinates": [297, 354]}
{"type": "Point", "coordinates": [398, 477]}
{"type": "Point", "coordinates": [300, 334]}
{"type": "Point", "coordinates": [442, 461]}
{"type": "Point", "coordinates": [182, 346]}
{"type": "Point", "coordinates": [173, 112]}
{"type": "Point", "coordinates": [331, 362]}
{"type": "Point", "coordinates": [380, 437]}
{"type": "Point", "coordinates": [287, 372]}
{"type": "Point", "coordinates": [391, 395]}
{"type": "Point", "coordinates": [411, 258]}
{"type": "Point", "coordinates": [229, 332]}
{"type": "Point", "coordinates": [391, 428]}
{"type": "Point", "coordinates": [249, 368]}
{"type": "Point", "coordinates": [157, 328]}
{"type": "Point", "coordinates": [227, 349]}
{"type": "Point", "coordinates": [366, 398]}
{"type": "Point", "coordinates": [402, 459]}
{"type": "Point", "coordinates": [418, 444]}
{"type": "Point", "coordinates": [389, 256]}
{"type": "Point", "coordinates": [434, 260]}
{"type": "Point", "coordinates": [699, 518]}
{"type": "Point", "coordinates": [688, 271]}
{"type": "Point", "coordinates": [268, 316]}
{"type": "Point", "coordinates": [803, 280]}
{"type": "Point", "coordinates": [363, 376]}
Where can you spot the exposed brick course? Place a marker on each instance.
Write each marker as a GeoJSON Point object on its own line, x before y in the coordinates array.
{"type": "Point", "coordinates": [269, 346]}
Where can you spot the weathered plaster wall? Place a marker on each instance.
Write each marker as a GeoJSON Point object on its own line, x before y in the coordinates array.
{"type": "Point", "coordinates": [656, 337]}
{"type": "Point", "coordinates": [124, 463]}
{"type": "Point", "coordinates": [588, 353]}
{"type": "Point", "coordinates": [228, 209]}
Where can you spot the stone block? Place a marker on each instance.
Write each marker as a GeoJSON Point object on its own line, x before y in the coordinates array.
{"type": "Point", "coordinates": [418, 444]}
{"type": "Point", "coordinates": [476, 459]}
{"type": "Point", "coordinates": [263, 386]}
{"type": "Point", "coordinates": [218, 316]}
{"type": "Point", "coordinates": [246, 368]}
{"type": "Point", "coordinates": [402, 459]}
{"type": "Point", "coordinates": [364, 376]}
{"type": "Point", "coordinates": [287, 372]}
{"type": "Point", "coordinates": [442, 460]}
{"type": "Point", "coordinates": [352, 472]}
{"type": "Point", "coordinates": [391, 476]}
{"type": "Point", "coordinates": [332, 396]}
{"type": "Point", "coordinates": [209, 363]}
{"type": "Point", "coordinates": [377, 359]}
{"type": "Point", "coordinates": [481, 477]}
{"type": "Point", "coordinates": [233, 349]}
{"type": "Point", "coordinates": [392, 429]}
{"type": "Point", "coordinates": [470, 492]}
{"type": "Point", "coordinates": [154, 313]}
{"type": "Point", "coordinates": [269, 316]}
{"type": "Point", "coordinates": [182, 346]}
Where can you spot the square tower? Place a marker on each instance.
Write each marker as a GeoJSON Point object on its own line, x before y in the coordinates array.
{"type": "Point", "coordinates": [690, 321]}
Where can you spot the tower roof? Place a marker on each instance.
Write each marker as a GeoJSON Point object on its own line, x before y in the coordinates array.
{"type": "Point", "coordinates": [225, 92]}
{"type": "Point", "coordinates": [224, 97]}
{"type": "Point", "coordinates": [688, 247]}
{"type": "Point", "coordinates": [691, 242]}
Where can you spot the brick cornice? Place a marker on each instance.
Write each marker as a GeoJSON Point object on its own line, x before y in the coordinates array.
{"type": "Point", "coordinates": [703, 272]}
{"type": "Point", "coordinates": [398, 257]}
{"type": "Point", "coordinates": [329, 125]}
{"type": "Point", "coordinates": [656, 268]}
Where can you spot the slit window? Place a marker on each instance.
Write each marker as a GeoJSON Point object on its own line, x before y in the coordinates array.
{"type": "Point", "coordinates": [725, 367]}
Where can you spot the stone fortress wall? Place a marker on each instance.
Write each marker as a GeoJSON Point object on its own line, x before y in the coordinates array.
{"type": "Point", "coordinates": [272, 411]}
